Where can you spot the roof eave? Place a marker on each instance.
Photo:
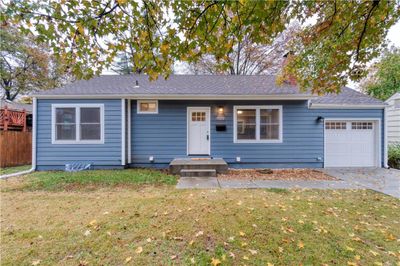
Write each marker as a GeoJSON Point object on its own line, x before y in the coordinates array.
{"type": "Point", "coordinates": [347, 106]}
{"type": "Point", "coordinates": [180, 97]}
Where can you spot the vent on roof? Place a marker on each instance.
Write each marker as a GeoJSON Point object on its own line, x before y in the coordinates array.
{"type": "Point", "coordinates": [136, 84]}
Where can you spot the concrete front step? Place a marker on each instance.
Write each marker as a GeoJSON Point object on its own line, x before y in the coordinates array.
{"type": "Point", "coordinates": [198, 173]}
{"type": "Point", "coordinates": [217, 164]}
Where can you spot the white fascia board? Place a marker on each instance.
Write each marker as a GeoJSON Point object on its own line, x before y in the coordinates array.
{"type": "Point", "coordinates": [347, 106]}
{"type": "Point", "coordinates": [181, 97]}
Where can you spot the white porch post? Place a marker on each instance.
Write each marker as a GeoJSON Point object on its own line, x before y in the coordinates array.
{"type": "Point", "coordinates": [129, 131]}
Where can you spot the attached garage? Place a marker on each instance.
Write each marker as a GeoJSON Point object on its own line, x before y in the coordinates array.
{"type": "Point", "coordinates": [352, 143]}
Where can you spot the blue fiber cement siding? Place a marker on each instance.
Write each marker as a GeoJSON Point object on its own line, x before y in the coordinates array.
{"type": "Point", "coordinates": [164, 135]}
{"type": "Point", "coordinates": [55, 156]}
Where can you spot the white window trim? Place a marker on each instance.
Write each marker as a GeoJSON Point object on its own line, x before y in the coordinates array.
{"type": "Point", "coordinates": [78, 125]}
{"type": "Point", "coordinates": [257, 108]}
{"type": "Point", "coordinates": [146, 112]}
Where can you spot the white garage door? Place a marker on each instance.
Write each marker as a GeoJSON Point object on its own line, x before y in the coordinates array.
{"type": "Point", "coordinates": [350, 144]}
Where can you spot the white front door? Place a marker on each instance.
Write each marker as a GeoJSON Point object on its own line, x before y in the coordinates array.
{"type": "Point", "coordinates": [350, 143]}
{"type": "Point", "coordinates": [198, 130]}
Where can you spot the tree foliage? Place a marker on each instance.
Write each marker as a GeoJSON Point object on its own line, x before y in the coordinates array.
{"type": "Point", "coordinates": [248, 58]}
{"type": "Point", "coordinates": [384, 80]}
{"type": "Point", "coordinates": [337, 39]}
{"type": "Point", "coordinates": [25, 66]}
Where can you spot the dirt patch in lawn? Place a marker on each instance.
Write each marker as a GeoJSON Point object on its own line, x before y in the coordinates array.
{"type": "Point", "coordinates": [275, 174]}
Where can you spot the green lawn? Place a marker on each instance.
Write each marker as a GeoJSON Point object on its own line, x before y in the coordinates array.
{"type": "Point", "coordinates": [15, 169]}
{"type": "Point", "coordinates": [159, 225]}
{"type": "Point", "coordinates": [60, 180]}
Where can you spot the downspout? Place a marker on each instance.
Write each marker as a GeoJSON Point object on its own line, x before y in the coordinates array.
{"type": "Point", "coordinates": [34, 124]}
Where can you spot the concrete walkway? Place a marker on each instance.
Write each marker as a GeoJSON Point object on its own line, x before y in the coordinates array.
{"type": "Point", "coordinates": [386, 181]}
{"type": "Point", "coordinates": [383, 180]}
{"type": "Point", "coordinates": [213, 182]}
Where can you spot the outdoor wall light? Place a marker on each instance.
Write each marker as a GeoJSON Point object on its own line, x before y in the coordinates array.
{"type": "Point", "coordinates": [220, 113]}
{"type": "Point", "coordinates": [151, 159]}
{"type": "Point", "coordinates": [320, 119]}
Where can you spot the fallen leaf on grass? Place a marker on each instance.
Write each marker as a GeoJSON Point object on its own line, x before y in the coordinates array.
{"type": "Point", "coordinates": [269, 264]}
{"type": "Point", "coordinates": [349, 248]}
{"type": "Point", "coordinates": [280, 249]}
{"type": "Point", "coordinates": [199, 233]}
{"type": "Point", "coordinates": [139, 250]}
{"type": "Point", "coordinates": [128, 259]}
{"type": "Point", "coordinates": [192, 260]}
{"type": "Point", "coordinates": [378, 263]}
{"type": "Point", "coordinates": [87, 233]}
{"type": "Point", "coordinates": [374, 253]}
{"type": "Point", "coordinates": [148, 240]}
{"type": "Point", "coordinates": [215, 262]}
{"type": "Point", "coordinates": [191, 242]}
{"type": "Point", "coordinates": [93, 222]}
{"type": "Point", "coordinates": [173, 257]}
{"type": "Point", "coordinates": [36, 262]}
{"type": "Point", "coordinates": [231, 254]}
{"type": "Point", "coordinates": [242, 233]}
{"type": "Point", "coordinates": [245, 258]}
{"type": "Point", "coordinates": [350, 263]}
{"type": "Point", "coordinates": [253, 252]}
{"type": "Point", "coordinates": [357, 257]}
{"type": "Point", "coordinates": [300, 244]}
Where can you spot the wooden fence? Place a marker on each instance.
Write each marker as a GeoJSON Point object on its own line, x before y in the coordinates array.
{"type": "Point", "coordinates": [15, 148]}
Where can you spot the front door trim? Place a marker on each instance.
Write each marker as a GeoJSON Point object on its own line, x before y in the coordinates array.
{"type": "Point", "coordinates": [188, 117]}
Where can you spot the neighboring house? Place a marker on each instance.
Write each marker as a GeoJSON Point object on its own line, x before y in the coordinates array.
{"type": "Point", "coordinates": [393, 118]}
{"type": "Point", "coordinates": [249, 121]}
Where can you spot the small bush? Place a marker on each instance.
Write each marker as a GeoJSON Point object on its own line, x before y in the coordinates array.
{"type": "Point", "coordinates": [394, 156]}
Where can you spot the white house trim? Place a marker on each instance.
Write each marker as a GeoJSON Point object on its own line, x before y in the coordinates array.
{"type": "Point", "coordinates": [34, 132]}
{"type": "Point", "coordinates": [257, 108]}
{"type": "Point", "coordinates": [129, 131]}
{"type": "Point", "coordinates": [181, 97]}
{"type": "Point", "coordinates": [385, 136]}
{"type": "Point", "coordinates": [123, 132]}
{"type": "Point", "coordinates": [77, 122]}
{"type": "Point", "coordinates": [346, 106]}
{"type": "Point", "coordinates": [378, 137]}
{"type": "Point", "coordinates": [144, 112]}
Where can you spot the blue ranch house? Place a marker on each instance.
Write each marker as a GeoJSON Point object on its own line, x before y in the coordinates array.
{"type": "Point", "coordinates": [249, 121]}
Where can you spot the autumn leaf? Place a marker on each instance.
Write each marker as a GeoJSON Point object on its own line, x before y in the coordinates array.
{"type": "Point", "coordinates": [245, 258]}
{"type": "Point", "coordinates": [35, 262]}
{"type": "Point", "coordinates": [374, 253]}
{"type": "Point", "coordinates": [199, 233]}
{"type": "Point", "coordinates": [350, 263]}
{"type": "Point", "coordinates": [215, 262]}
{"type": "Point", "coordinates": [93, 222]}
{"type": "Point", "coordinates": [242, 233]}
{"type": "Point", "coordinates": [87, 233]}
{"type": "Point", "coordinates": [269, 264]}
{"type": "Point", "coordinates": [300, 244]}
{"type": "Point", "coordinates": [192, 260]}
{"type": "Point", "coordinates": [128, 259]}
{"type": "Point", "coordinates": [349, 248]}
{"type": "Point", "coordinates": [253, 252]}
{"type": "Point", "coordinates": [280, 249]}
{"type": "Point", "coordinates": [138, 250]}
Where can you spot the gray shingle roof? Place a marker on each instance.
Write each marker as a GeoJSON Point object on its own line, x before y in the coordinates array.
{"type": "Point", "coordinates": [218, 85]}
{"type": "Point", "coordinates": [176, 85]}
{"type": "Point", "coordinates": [347, 96]}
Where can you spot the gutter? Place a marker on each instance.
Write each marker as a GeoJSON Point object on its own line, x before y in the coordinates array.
{"type": "Point", "coordinates": [34, 124]}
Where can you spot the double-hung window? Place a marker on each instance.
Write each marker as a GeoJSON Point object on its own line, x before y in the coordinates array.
{"type": "Point", "coordinates": [77, 123]}
{"type": "Point", "coordinates": [258, 124]}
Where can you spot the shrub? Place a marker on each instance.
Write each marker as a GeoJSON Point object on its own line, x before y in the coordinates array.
{"type": "Point", "coordinates": [394, 156]}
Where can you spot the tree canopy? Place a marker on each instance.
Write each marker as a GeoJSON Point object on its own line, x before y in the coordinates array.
{"type": "Point", "coordinates": [26, 66]}
{"type": "Point", "coordinates": [337, 39]}
{"type": "Point", "coordinates": [384, 79]}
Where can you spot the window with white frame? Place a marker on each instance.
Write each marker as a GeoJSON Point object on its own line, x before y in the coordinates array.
{"type": "Point", "coordinates": [77, 124]}
{"type": "Point", "coordinates": [397, 103]}
{"type": "Point", "coordinates": [147, 107]}
{"type": "Point", "coordinates": [257, 124]}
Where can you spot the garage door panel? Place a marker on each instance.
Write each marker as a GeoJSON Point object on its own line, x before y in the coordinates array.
{"type": "Point", "coordinates": [350, 144]}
